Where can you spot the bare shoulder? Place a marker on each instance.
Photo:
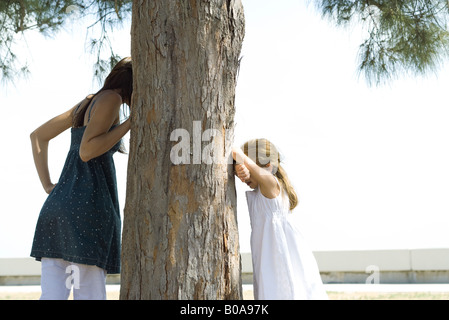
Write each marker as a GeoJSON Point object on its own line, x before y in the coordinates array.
{"type": "Point", "coordinates": [105, 109]}
{"type": "Point", "coordinates": [110, 97]}
{"type": "Point", "coordinates": [269, 187]}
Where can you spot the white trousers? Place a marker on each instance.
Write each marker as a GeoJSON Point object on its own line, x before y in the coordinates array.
{"type": "Point", "coordinates": [59, 277]}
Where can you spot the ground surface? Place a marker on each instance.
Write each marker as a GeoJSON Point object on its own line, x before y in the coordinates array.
{"type": "Point", "coordinates": [335, 292]}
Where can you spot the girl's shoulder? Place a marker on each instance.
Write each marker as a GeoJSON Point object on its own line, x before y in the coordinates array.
{"type": "Point", "coordinates": [271, 190]}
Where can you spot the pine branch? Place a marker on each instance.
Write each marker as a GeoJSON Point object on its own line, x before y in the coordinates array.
{"type": "Point", "coordinates": [48, 17]}
{"type": "Point", "coordinates": [403, 37]}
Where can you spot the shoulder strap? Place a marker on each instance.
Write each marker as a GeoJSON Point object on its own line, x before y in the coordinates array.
{"type": "Point", "coordinates": [90, 110]}
{"type": "Point", "coordinates": [76, 109]}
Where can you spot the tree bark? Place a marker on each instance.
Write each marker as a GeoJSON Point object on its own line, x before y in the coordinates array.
{"type": "Point", "coordinates": [180, 237]}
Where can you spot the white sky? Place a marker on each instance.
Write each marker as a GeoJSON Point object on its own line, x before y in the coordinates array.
{"type": "Point", "coordinates": [370, 165]}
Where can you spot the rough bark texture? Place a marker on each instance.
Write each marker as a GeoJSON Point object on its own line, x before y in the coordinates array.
{"type": "Point", "coordinates": [180, 237]}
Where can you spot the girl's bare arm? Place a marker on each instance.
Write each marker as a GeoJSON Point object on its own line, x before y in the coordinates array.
{"type": "Point", "coordinates": [263, 176]}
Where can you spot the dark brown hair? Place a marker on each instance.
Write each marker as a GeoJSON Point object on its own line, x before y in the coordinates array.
{"type": "Point", "coordinates": [121, 77]}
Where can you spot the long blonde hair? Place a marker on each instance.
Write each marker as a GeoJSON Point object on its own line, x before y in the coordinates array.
{"type": "Point", "coordinates": [263, 153]}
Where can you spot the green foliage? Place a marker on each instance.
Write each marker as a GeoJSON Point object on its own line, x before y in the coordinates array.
{"type": "Point", "coordinates": [48, 17]}
{"type": "Point", "coordinates": [403, 36]}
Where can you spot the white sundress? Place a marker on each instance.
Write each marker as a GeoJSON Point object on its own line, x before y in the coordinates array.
{"type": "Point", "coordinates": [284, 267]}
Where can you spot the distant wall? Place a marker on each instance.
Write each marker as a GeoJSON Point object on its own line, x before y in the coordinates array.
{"type": "Point", "coordinates": [384, 266]}
{"type": "Point", "coordinates": [372, 266]}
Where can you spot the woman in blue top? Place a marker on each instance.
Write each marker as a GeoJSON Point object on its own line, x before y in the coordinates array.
{"type": "Point", "coordinates": [77, 236]}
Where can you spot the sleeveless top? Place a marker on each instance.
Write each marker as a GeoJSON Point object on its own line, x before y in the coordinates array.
{"type": "Point", "coordinates": [80, 220]}
{"type": "Point", "coordinates": [283, 265]}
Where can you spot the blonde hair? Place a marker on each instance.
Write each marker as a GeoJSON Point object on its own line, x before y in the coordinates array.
{"type": "Point", "coordinates": [263, 153]}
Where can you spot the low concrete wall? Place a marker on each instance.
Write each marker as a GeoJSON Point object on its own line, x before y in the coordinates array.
{"type": "Point", "coordinates": [27, 271]}
{"type": "Point", "coordinates": [19, 271]}
{"type": "Point", "coordinates": [384, 266]}
{"type": "Point", "coordinates": [372, 266]}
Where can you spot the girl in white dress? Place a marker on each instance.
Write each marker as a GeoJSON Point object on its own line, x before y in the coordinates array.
{"type": "Point", "coordinates": [283, 266]}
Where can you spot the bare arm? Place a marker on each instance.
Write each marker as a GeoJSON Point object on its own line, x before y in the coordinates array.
{"type": "Point", "coordinates": [263, 176]}
{"type": "Point", "coordinates": [98, 138]}
{"type": "Point", "coordinates": [39, 144]}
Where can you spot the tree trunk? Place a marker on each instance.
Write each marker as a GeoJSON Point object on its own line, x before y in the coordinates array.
{"type": "Point", "coordinates": [180, 237]}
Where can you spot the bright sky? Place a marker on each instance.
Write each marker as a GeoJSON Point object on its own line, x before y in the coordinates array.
{"type": "Point", "coordinates": [370, 165]}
